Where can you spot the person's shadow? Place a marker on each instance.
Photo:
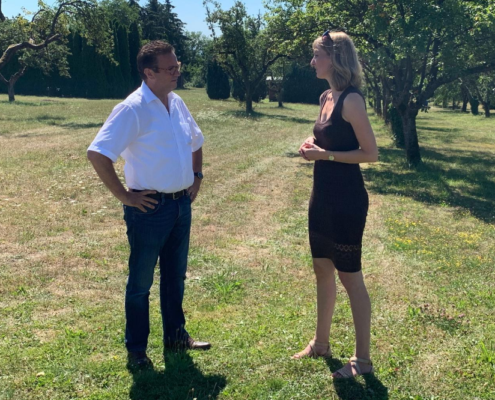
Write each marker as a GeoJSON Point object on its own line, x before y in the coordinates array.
{"type": "Point", "coordinates": [351, 389]}
{"type": "Point", "coordinates": [180, 380]}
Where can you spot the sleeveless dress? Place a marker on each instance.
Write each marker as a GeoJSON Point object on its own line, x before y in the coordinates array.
{"type": "Point", "coordinates": [339, 202]}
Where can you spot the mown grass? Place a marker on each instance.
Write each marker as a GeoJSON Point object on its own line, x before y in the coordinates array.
{"type": "Point", "coordinates": [428, 259]}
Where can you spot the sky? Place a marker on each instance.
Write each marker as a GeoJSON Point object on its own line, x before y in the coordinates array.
{"type": "Point", "coordinates": [191, 12]}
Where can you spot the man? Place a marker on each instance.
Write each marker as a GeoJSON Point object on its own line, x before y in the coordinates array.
{"type": "Point", "coordinates": [161, 144]}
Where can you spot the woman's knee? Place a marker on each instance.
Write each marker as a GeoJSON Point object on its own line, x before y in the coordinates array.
{"type": "Point", "coordinates": [323, 269]}
{"type": "Point", "coordinates": [351, 280]}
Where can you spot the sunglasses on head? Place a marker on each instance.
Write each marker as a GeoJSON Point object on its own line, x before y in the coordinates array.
{"type": "Point", "coordinates": [326, 36]}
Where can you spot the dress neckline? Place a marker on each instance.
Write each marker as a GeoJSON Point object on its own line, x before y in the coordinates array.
{"type": "Point", "coordinates": [334, 106]}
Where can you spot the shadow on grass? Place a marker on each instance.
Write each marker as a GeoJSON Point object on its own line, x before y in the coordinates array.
{"type": "Point", "coordinates": [75, 125]}
{"type": "Point", "coordinates": [39, 103]}
{"type": "Point", "coordinates": [257, 115]}
{"type": "Point", "coordinates": [436, 129]}
{"type": "Point", "coordinates": [180, 380]}
{"type": "Point", "coordinates": [351, 389]}
{"type": "Point", "coordinates": [454, 178]}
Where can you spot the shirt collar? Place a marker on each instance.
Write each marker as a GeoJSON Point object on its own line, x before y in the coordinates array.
{"type": "Point", "coordinates": [149, 96]}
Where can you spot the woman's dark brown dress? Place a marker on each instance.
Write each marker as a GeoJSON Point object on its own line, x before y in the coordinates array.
{"type": "Point", "coordinates": [339, 201]}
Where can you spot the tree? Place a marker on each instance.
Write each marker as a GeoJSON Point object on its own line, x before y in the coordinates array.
{"type": "Point", "coordinates": [418, 45]}
{"type": "Point", "coordinates": [44, 37]}
{"type": "Point", "coordinates": [197, 52]}
{"type": "Point", "coordinates": [244, 49]}
{"type": "Point", "coordinates": [217, 82]}
{"type": "Point", "coordinates": [134, 46]}
{"type": "Point", "coordinates": [482, 88]}
{"type": "Point", "coordinates": [46, 59]}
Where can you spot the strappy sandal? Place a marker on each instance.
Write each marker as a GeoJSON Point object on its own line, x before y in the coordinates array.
{"type": "Point", "coordinates": [345, 374]}
{"type": "Point", "coordinates": [312, 352]}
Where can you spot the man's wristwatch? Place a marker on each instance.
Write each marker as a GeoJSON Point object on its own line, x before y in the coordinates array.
{"type": "Point", "coordinates": [199, 175]}
{"type": "Point", "coordinates": [331, 157]}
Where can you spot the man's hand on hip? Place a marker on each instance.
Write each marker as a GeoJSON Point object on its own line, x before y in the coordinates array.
{"type": "Point", "coordinates": [194, 189]}
{"type": "Point", "coordinates": [139, 200]}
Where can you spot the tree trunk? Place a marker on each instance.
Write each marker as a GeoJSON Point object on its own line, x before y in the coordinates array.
{"type": "Point", "coordinates": [465, 98]}
{"type": "Point", "coordinates": [386, 105]}
{"type": "Point", "coordinates": [486, 107]}
{"type": "Point", "coordinates": [249, 101]}
{"type": "Point", "coordinates": [408, 116]}
{"type": "Point", "coordinates": [378, 103]}
{"type": "Point", "coordinates": [11, 91]}
{"type": "Point", "coordinates": [280, 97]}
{"type": "Point", "coordinates": [180, 82]}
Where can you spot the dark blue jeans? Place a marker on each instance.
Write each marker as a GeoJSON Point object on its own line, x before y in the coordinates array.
{"type": "Point", "coordinates": [162, 233]}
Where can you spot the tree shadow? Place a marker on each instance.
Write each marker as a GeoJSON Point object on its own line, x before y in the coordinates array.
{"type": "Point", "coordinates": [75, 125]}
{"type": "Point", "coordinates": [40, 103]}
{"type": "Point", "coordinates": [352, 389]}
{"type": "Point", "coordinates": [180, 380]}
{"type": "Point", "coordinates": [454, 178]}
{"type": "Point", "coordinates": [47, 117]}
{"type": "Point", "coordinates": [255, 115]}
{"type": "Point", "coordinates": [436, 129]}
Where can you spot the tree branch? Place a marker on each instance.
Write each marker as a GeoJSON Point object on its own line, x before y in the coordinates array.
{"type": "Point", "coordinates": [434, 84]}
{"type": "Point", "coordinates": [425, 62]}
{"type": "Point", "coordinates": [265, 68]}
{"type": "Point", "coordinates": [13, 48]}
{"type": "Point", "coordinates": [2, 17]}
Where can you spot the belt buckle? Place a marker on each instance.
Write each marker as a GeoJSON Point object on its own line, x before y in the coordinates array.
{"type": "Point", "coordinates": [174, 195]}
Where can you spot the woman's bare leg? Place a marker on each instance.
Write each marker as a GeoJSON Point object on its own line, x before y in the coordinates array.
{"type": "Point", "coordinates": [326, 292]}
{"type": "Point", "coordinates": [361, 314]}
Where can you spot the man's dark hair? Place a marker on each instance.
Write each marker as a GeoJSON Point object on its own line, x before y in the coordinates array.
{"type": "Point", "coordinates": [147, 56]}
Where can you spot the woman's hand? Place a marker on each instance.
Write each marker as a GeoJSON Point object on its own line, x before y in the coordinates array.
{"type": "Point", "coordinates": [309, 140]}
{"type": "Point", "coordinates": [311, 152]}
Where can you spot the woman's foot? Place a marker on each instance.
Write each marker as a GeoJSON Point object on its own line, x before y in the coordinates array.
{"type": "Point", "coordinates": [314, 350]}
{"type": "Point", "coordinates": [355, 367]}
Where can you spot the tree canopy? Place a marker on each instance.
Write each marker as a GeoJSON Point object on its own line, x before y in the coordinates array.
{"type": "Point", "coordinates": [415, 45]}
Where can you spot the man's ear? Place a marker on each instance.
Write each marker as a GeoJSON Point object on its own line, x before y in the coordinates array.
{"type": "Point", "coordinates": [149, 73]}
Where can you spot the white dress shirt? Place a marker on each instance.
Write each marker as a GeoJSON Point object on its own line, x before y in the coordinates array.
{"type": "Point", "coordinates": [156, 145]}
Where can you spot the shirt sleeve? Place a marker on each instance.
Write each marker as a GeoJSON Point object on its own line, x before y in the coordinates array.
{"type": "Point", "coordinates": [119, 130]}
{"type": "Point", "coordinates": [196, 134]}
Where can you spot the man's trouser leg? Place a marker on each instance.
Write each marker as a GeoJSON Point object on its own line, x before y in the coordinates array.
{"type": "Point", "coordinates": [173, 266]}
{"type": "Point", "coordinates": [147, 234]}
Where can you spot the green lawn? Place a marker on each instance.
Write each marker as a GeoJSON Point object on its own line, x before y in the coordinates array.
{"type": "Point", "coordinates": [429, 257]}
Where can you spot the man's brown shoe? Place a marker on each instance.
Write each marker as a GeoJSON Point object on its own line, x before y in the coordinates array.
{"type": "Point", "coordinates": [139, 359]}
{"type": "Point", "coordinates": [188, 344]}
{"type": "Point", "coordinates": [194, 345]}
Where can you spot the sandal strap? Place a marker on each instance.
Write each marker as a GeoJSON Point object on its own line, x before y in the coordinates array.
{"type": "Point", "coordinates": [314, 353]}
{"type": "Point", "coordinates": [360, 360]}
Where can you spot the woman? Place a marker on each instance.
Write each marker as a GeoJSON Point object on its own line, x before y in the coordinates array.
{"type": "Point", "coordinates": [343, 138]}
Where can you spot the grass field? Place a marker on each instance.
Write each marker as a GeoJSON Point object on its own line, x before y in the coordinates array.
{"type": "Point", "coordinates": [429, 257]}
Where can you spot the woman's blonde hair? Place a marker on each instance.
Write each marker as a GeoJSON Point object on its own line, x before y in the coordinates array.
{"type": "Point", "coordinates": [346, 69]}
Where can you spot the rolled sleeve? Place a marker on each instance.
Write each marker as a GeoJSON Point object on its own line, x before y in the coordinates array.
{"type": "Point", "coordinates": [196, 134]}
{"type": "Point", "coordinates": [119, 130]}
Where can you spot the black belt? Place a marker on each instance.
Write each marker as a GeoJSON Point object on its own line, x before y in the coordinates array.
{"type": "Point", "coordinates": [160, 195]}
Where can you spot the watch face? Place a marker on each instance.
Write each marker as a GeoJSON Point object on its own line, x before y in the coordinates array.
{"type": "Point", "coordinates": [199, 175]}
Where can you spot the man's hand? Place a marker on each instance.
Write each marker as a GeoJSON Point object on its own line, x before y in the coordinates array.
{"type": "Point", "coordinates": [139, 200]}
{"type": "Point", "coordinates": [194, 189]}
{"type": "Point", "coordinates": [309, 140]}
